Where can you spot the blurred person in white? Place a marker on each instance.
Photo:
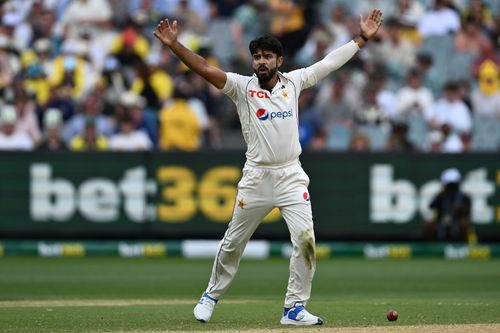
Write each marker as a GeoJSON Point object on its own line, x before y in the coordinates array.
{"type": "Point", "coordinates": [339, 96]}
{"type": "Point", "coordinates": [87, 14]}
{"type": "Point", "coordinates": [10, 138]}
{"type": "Point", "coordinates": [370, 112]}
{"type": "Point", "coordinates": [486, 96]}
{"type": "Point", "coordinates": [27, 121]}
{"type": "Point", "coordinates": [397, 54]}
{"type": "Point", "coordinates": [52, 140]}
{"type": "Point", "coordinates": [9, 62]}
{"type": "Point", "coordinates": [143, 119]}
{"type": "Point", "coordinates": [128, 138]}
{"type": "Point", "coordinates": [336, 25]}
{"type": "Point", "coordinates": [315, 48]}
{"type": "Point", "coordinates": [408, 12]}
{"type": "Point", "coordinates": [440, 20]}
{"type": "Point", "coordinates": [14, 23]}
{"type": "Point", "coordinates": [451, 110]}
{"type": "Point", "coordinates": [413, 97]}
{"type": "Point", "coordinates": [184, 12]}
{"type": "Point", "coordinates": [153, 8]}
{"type": "Point", "coordinates": [386, 98]}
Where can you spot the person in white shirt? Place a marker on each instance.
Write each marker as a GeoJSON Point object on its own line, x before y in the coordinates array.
{"type": "Point", "coordinates": [128, 138]}
{"type": "Point", "coordinates": [267, 105]}
{"type": "Point", "coordinates": [10, 139]}
{"type": "Point", "coordinates": [450, 110]}
{"type": "Point", "coordinates": [439, 21]}
{"type": "Point", "coordinates": [414, 97]}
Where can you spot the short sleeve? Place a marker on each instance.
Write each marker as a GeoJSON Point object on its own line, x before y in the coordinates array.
{"type": "Point", "coordinates": [233, 86]}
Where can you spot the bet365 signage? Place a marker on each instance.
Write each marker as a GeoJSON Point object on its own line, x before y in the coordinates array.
{"type": "Point", "coordinates": [181, 194]}
{"type": "Point", "coordinates": [397, 200]}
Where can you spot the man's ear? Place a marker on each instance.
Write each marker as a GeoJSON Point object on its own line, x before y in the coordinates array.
{"type": "Point", "coordinates": [279, 61]}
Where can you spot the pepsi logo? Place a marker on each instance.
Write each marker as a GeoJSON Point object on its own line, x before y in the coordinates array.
{"type": "Point", "coordinates": [306, 196]}
{"type": "Point", "coordinates": [262, 114]}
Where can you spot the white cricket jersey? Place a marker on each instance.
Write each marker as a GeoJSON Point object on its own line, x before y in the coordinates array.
{"type": "Point", "coordinates": [269, 119]}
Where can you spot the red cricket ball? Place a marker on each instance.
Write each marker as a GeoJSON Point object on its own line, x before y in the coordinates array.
{"type": "Point", "coordinates": [392, 315]}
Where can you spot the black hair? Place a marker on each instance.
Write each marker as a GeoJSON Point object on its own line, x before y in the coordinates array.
{"type": "Point", "coordinates": [266, 43]}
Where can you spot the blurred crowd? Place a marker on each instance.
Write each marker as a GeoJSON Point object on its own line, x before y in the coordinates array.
{"type": "Point", "coordinates": [89, 75]}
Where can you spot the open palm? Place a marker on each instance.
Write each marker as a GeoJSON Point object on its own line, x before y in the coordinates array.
{"type": "Point", "coordinates": [166, 32]}
{"type": "Point", "coordinates": [369, 25]}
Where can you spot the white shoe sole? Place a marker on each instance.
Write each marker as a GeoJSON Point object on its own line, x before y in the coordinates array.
{"type": "Point", "coordinates": [286, 321]}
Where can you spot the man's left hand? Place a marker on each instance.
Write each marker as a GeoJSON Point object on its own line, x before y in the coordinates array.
{"type": "Point", "coordinates": [369, 25]}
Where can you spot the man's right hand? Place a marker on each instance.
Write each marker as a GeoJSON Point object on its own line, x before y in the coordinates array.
{"type": "Point", "coordinates": [166, 33]}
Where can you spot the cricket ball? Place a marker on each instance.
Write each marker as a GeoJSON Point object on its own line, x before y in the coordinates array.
{"type": "Point", "coordinates": [392, 315]}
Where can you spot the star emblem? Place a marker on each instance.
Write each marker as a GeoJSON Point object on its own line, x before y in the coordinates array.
{"type": "Point", "coordinates": [284, 93]}
{"type": "Point", "coordinates": [241, 203]}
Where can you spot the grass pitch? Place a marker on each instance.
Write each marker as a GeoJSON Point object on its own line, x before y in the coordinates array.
{"type": "Point", "coordinates": [154, 295]}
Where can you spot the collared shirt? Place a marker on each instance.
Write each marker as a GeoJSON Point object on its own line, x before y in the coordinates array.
{"type": "Point", "coordinates": [269, 119]}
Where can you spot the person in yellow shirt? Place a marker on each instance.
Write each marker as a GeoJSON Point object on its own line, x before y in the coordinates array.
{"type": "Point", "coordinates": [179, 125]}
{"type": "Point", "coordinates": [152, 82]}
{"type": "Point", "coordinates": [130, 46]}
{"type": "Point", "coordinates": [89, 140]}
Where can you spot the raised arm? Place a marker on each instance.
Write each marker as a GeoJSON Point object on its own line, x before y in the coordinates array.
{"type": "Point", "coordinates": [167, 34]}
{"type": "Point", "coordinates": [337, 58]}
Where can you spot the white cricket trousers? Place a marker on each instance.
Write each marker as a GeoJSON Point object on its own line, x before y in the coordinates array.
{"type": "Point", "coordinates": [259, 191]}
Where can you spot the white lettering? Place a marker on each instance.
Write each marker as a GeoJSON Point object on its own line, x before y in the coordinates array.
{"type": "Point", "coordinates": [390, 201]}
{"type": "Point", "coordinates": [51, 199]}
{"type": "Point", "coordinates": [99, 200]}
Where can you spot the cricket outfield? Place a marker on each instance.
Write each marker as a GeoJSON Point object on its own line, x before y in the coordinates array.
{"type": "Point", "coordinates": [157, 295]}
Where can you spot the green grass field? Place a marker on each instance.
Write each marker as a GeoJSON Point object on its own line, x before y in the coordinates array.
{"type": "Point", "coordinates": [115, 294]}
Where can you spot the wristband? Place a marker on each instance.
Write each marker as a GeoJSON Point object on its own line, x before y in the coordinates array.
{"type": "Point", "coordinates": [363, 37]}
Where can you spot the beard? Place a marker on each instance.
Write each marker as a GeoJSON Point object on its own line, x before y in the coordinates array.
{"type": "Point", "coordinates": [265, 77]}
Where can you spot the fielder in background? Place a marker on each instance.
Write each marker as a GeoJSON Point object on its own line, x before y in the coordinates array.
{"type": "Point", "coordinates": [267, 105]}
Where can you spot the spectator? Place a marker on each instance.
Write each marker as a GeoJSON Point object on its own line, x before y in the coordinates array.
{"type": "Point", "coordinates": [10, 139]}
{"type": "Point", "coordinates": [89, 139]}
{"type": "Point", "coordinates": [26, 116]}
{"type": "Point", "coordinates": [130, 47]}
{"type": "Point", "coordinates": [450, 110]}
{"type": "Point", "coordinates": [91, 111]}
{"type": "Point", "coordinates": [9, 63]}
{"type": "Point", "coordinates": [397, 54]}
{"type": "Point", "coordinates": [439, 21]}
{"type": "Point", "coordinates": [179, 125]}
{"type": "Point", "coordinates": [128, 138]}
{"type": "Point", "coordinates": [152, 83]}
{"type": "Point", "coordinates": [486, 97]}
{"type": "Point", "coordinates": [86, 14]}
{"type": "Point", "coordinates": [288, 24]}
{"type": "Point", "coordinates": [310, 123]}
{"type": "Point", "coordinates": [371, 112]}
{"type": "Point", "coordinates": [145, 120]}
{"type": "Point", "coordinates": [413, 97]}
{"type": "Point", "coordinates": [409, 12]}
{"type": "Point", "coordinates": [398, 140]}
{"type": "Point", "coordinates": [52, 140]}
{"type": "Point", "coordinates": [360, 143]}
{"type": "Point", "coordinates": [337, 102]}
{"type": "Point", "coordinates": [72, 67]}
{"type": "Point", "coordinates": [452, 209]}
